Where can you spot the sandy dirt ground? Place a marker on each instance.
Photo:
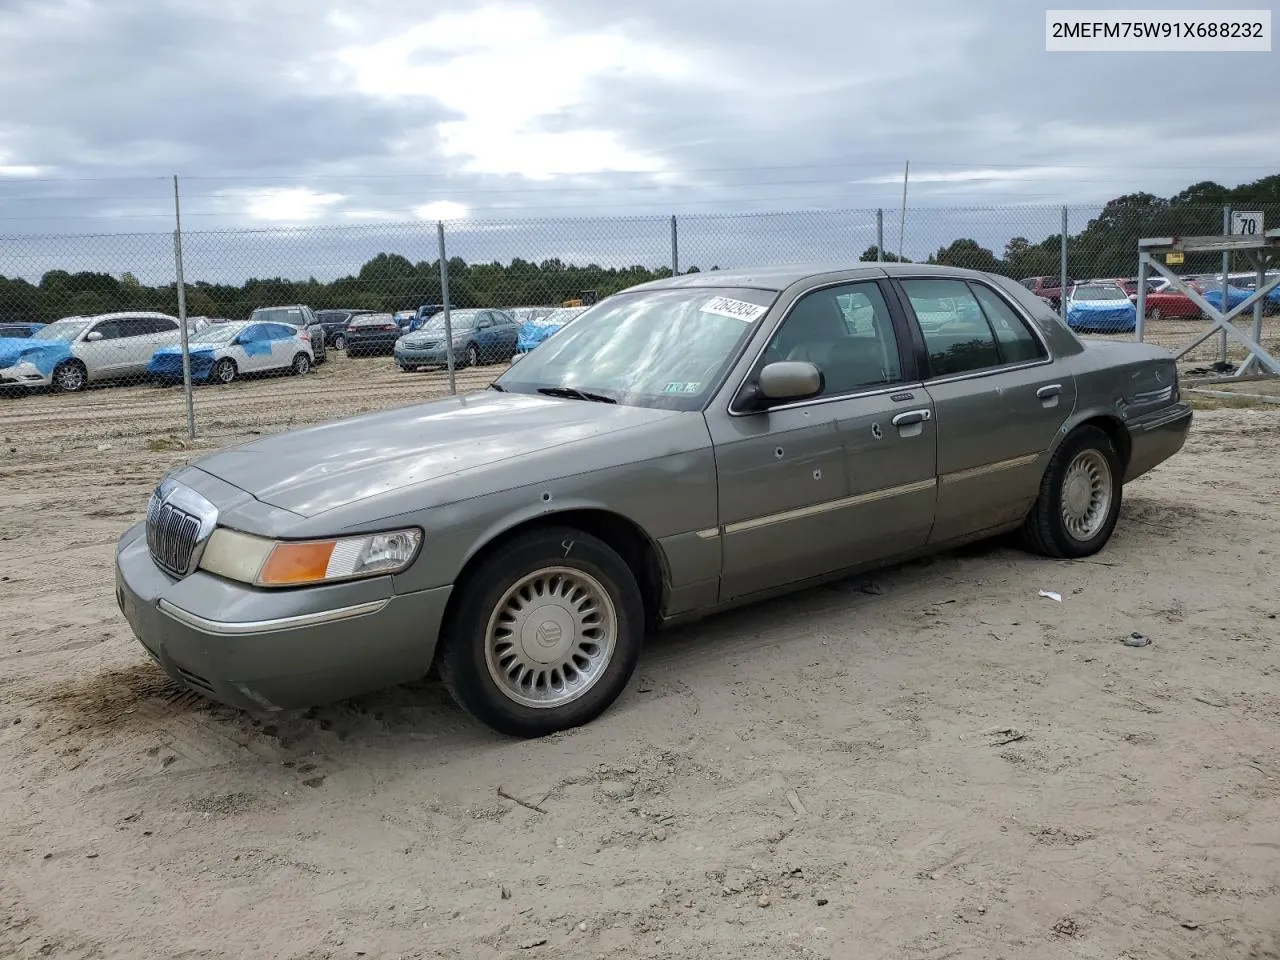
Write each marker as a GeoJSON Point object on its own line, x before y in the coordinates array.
{"type": "Point", "coordinates": [933, 763]}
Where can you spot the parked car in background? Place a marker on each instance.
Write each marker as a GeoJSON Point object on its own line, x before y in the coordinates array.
{"type": "Point", "coordinates": [1211, 290]}
{"type": "Point", "coordinates": [19, 331]}
{"type": "Point", "coordinates": [404, 319]}
{"type": "Point", "coordinates": [300, 316]}
{"type": "Point", "coordinates": [224, 351]}
{"type": "Point", "coordinates": [535, 330]}
{"type": "Point", "coordinates": [1048, 289]}
{"type": "Point", "coordinates": [373, 333]}
{"type": "Point", "coordinates": [1100, 308]}
{"type": "Point", "coordinates": [687, 445]}
{"type": "Point", "coordinates": [479, 337]}
{"type": "Point", "coordinates": [73, 352]}
{"type": "Point", "coordinates": [522, 314]}
{"type": "Point", "coordinates": [335, 323]}
{"type": "Point", "coordinates": [1166, 301]}
{"type": "Point", "coordinates": [425, 312]}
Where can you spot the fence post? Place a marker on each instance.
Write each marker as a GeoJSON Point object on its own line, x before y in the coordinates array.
{"type": "Point", "coordinates": [1062, 268]}
{"type": "Point", "coordinates": [675, 248]}
{"type": "Point", "coordinates": [1226, 269]}
{"type": "Point", "coordinates": [880, 235]}
{"type": "Point", "coordinates": [182, 311]}
{"type": "Point", "coordinates": [444, 297]}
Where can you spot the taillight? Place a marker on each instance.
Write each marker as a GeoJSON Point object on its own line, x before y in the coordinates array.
{"type": "Point", "coordinates": [305, 335]}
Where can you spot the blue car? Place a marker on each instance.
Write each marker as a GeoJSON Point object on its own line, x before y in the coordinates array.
{"type": "Point", "coordinates": [1100, 308]}
{"type": "Point", "coordinates": [1213, 295]}
{"type": "Point", "coordinates": [534, 331]}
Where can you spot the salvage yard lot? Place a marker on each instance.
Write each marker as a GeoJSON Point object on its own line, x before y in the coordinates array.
{"type": "Point", "coordinates": [933, 762]}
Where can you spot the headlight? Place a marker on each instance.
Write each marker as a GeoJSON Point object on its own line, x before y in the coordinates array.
{"type": "Point", "coordinates": [294, 563]}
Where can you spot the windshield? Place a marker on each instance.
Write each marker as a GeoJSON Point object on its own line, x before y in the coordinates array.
{"type": "Point", "coordinates": [1100, 293]}
{"type": "Point", "coordinates": [652, 348]}
{"type": "Point", "coordinates": [458, 320]}
{"type": "Point", "coordinates": [216, 333]}
{"type": "Point", "coordinates": [554, 317]}
{"type": "Point", "coordinates": [65, 330]}
{"type": "Point", "coordinates": [289, 315]}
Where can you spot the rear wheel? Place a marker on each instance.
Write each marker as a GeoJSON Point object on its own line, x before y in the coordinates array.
{"type": "Point", "coordinates": [224, 371]}
{"type": "Point", "coordinates": [339, 341]}
{"type": "Point", "coordinates": [1154, 314]}
{"type": "Point", "coordinates": [301, 364]}
{"type": "Point", "coordinates": [1079, 500]}
{"type": "Point", "coordinates": [546, 634]}
{"type": "Point", "coordinates": [70, 376]}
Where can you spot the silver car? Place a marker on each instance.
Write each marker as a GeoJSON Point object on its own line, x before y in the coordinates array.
{"type": "Point", "coordinates": [73, 352]}
{"type": "Point", "coordinates": [684, 446]}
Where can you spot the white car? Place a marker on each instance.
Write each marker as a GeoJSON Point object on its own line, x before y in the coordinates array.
{"type": "Point", "coordinates": [70, 353]}
{"type": "Point", "coordinates": [223, 351]}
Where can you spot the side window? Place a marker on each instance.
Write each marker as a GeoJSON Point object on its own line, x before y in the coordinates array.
{"type": "Point", "coordinates": [956, 332]}
{"type": "Point", "coordinates": [1017, 343]}
{"type": "Point", "coordinates": [110, 329]}
{"type": "Point", "coordinates": [847, 332]}
{"type": "Point", "coordinates": [252, 334]}
{"type": "Point", "coordinates": [281, 332]}
{"type": "Point", "coordinates": [161, 325]}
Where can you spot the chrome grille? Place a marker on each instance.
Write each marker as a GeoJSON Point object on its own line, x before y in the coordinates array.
{"type": "Point", "coordinates": [172, 535]}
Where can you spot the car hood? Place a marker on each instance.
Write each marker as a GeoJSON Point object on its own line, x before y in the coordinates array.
{"type": "Point", "coordinates": [316, 469]}
{"type": "Point", "coordinates": [40, 352]}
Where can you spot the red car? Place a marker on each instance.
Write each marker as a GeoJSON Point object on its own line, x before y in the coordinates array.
{"type": "Point", "coordinates": [1170, 303]}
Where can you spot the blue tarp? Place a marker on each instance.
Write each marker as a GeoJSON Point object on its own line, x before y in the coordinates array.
{"type": "Point", "coordinates": [44, 354]}
{"type": "Point", "coordinates": [533, 332]}
{"type": "Point", "coordinates": [1102, 316]}
{"type": "Point", "coordinates": [166, 363]}
{"type": "Point", "coordinates": [1213, 294]}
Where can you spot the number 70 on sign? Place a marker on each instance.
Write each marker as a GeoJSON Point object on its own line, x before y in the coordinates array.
{"type": "Point", "coordinates": [1246, 222]}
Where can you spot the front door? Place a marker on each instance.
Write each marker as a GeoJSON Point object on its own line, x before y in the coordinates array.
{"type": "Point", "coordinates": [999, 399]}
{"type": "Point", "coordinates": [837, 481]}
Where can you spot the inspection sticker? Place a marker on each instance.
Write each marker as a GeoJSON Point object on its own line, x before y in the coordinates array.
{"type": "Point", "coordinates": [683, 387]}
{"type": "Point", "coordinates": [738, 309]}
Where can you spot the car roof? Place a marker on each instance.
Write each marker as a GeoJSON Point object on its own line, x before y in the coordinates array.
{"type": "Point", "coordinates": [123, 313]}
{"type": "Point", "coordinates": [780, 277]}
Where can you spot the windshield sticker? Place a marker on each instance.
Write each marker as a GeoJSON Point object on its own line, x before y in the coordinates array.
{"type": "Point", "coordinates": [737, 309]}
{"type": "Point", "coordinates": [683, 387]}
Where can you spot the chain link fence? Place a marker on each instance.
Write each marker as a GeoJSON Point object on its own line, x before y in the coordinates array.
{"type": "Point", "coordinates": [290, 327]}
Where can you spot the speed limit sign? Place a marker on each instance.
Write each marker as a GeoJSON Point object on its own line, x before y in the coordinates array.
{"type": "Point", "coordinates": [1246, 223]}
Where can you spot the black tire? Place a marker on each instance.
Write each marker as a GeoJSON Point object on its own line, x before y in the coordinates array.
{"type": "Point", "coordinates": [1154, 314]}
{"type": "Point", "coordinates": [1045, 530]}
{"type": "Point", "coordinates": [224, 371]}
{"type": "Point", "coordinates": [473, 355]}
{"type": "Point", "coordinates": [339, 341]}
{"type": "Point", "coordinates": [70, 376]}
{"type": "Point", "coordinates": [462, 657]}
{"type": "Point", "coordinates": [405, 369]}
{"type": "Point", "coordinates": [301, 364]}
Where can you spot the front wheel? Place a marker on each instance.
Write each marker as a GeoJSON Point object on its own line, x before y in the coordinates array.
{"type": "Point", "coordinates": [339, 342]}
{"type": "Point", "coordinates": [473, 355]}
{"type": "Point", "coordinates": [1079, 501]}
{"type": "Point", "coordinates": [301, 364]}
{"type": "Point", "coordinates": [70, 376]}
{"type": "Point", "coordinates": [224, 371]}
{"type": "Point", "coordinates": [547, 632]}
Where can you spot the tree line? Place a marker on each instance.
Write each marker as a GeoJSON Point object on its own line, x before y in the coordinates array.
{"type": "Point", "coordinates": [1105, 247]}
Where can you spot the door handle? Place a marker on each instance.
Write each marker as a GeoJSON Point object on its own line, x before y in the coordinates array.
{"type": "Point", "coordinates": [908, 417]}
{"type": "Point", "coordinates": [1051, 390]}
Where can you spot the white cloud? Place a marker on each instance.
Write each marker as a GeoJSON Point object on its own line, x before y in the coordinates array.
{"type": "Point", "coordinates": [441, 210]}
{"type": "Point", "coordinates": [287, 204]}
{"type": "Point", "coordinates": [373, 216]}
{"type": "Point", "coordinates": [19, 170]}
{"type": "Point", "coordinates": [507, 71]}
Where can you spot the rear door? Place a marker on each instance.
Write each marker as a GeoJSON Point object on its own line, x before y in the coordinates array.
{"type": "Point", "coordinates": [999, 398]}
{"type": "Point", "coordinates": [152, 334]}
{"type": "Point", "coordinates": [284, 344]}
{"type": "Point", "coordinates": [253, 351]}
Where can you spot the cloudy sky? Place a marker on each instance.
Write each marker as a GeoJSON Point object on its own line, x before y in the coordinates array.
{"type": "Point", "coordinates": [317, 112]}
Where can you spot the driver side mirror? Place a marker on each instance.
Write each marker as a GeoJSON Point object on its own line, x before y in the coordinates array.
{"type": "Point", "coordinates": [94, 336]}
{"type": "Point", "coordinates": [784, 381]}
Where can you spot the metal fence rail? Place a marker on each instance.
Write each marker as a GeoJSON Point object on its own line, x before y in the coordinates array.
{"type": "Point", "coordinates": [167, 352]}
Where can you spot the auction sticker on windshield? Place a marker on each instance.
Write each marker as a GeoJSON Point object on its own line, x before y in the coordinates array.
{"type": "Point", "coordinates": [693, 387]}
{"type": "Point", "coordinates": [737, 309]}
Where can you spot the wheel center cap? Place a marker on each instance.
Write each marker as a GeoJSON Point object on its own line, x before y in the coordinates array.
{"type": "Point", "coordinates": [547, 634]}
{"type": "Point", "coordinates": [1078, 495]}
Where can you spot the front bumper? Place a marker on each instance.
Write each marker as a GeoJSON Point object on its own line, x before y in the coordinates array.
{"type": "Point", "coordinates": [1156, 437]}
{"type": "Point", "coordinates": [272, 650]}
{"type": "Point", "coordinates": [24, 375]}
{"type": "Point", "coordinates": [426, 356]}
